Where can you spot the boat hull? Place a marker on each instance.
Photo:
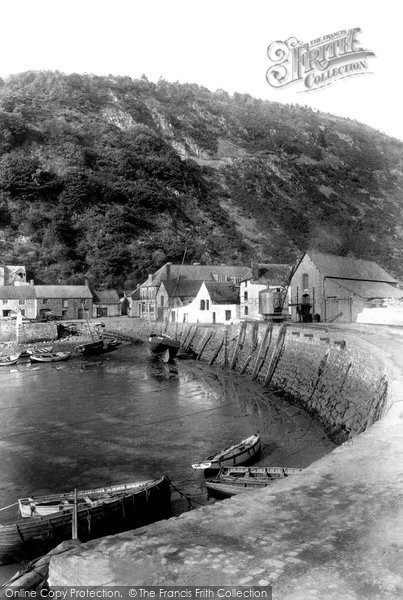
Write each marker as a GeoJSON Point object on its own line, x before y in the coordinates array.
{"type": "Point", "coordinates": [161, 345]}
{"type": "Point", "coordinates": [29, 537]}
{"type": "Point", "coordinates": [92, 348]}
{"type": "Point", "coordinates": [240, 454]}
{"type": "Point", "coordinates": [239, 480]}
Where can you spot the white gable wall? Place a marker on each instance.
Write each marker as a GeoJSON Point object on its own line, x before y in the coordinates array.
{"type": "Point", "coordinates": [193, 313]}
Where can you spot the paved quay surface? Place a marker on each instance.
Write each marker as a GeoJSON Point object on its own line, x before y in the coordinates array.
{"type": "Point", "coordinates": [335, 531]}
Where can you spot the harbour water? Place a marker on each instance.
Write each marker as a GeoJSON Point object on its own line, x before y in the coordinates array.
{"type": "Point", "coordinates": [126, 417]}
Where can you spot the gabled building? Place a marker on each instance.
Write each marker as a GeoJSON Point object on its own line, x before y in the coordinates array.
{"type": "Point", "coordinates": [214, 303]}
{"type": "Point", "coordinates": [144, 298]}
{"type": "Point", "coordinates": [262, 290]}
{"type": "Point", "coordinates": [106, 303]}
{"type": "Point", "coordinates": [12, 275]}
{"type": "Point", "coordinates": [331, 288]}
{"type": "Point", "coordinates": [17, 298]}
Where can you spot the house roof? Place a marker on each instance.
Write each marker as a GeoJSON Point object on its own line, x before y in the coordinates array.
{"type": "Point", "coordinates": [370, 289]}
{"type": "Point", "coordinates": [344, 267]}
{"type": "Point", "coordinates": [222, 293]}
{"type": "Point", "coordinates": [270, 274]}
{"type": "Point", "coordinates": [183, 288]}
{"type": "Point", "coordinates": [62, 291]}
{"type": "Point", "coordinates": [195, 273]}
{"type": "Point", "coordinates": [105, 296]}
{"type": "Point", "coordinates": [17, 292]}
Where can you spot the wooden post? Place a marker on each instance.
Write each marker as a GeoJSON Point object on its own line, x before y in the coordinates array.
{"type": "Point", "coordinates": [217, 352]}
{"type": "Point", "coordinates": [276, 355]}
{"type": "Point", "coordinates": [263, 350]}
{"type": "Point", "coordinates": [255, 328]}
{"type": "Point", "coordinates": [192, 337]}
{"type": "Point", "coordinates": [74, 532]}
{"type": "Point", "coordinates": [207, 338]}
{"type": "Point", "coordinates": [239, 343]}
{"type": "Point", "coordinates": [225, 340]}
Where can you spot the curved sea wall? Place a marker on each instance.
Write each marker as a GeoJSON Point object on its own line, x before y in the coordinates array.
{"type": "Point", "coordinates": [334, 530]}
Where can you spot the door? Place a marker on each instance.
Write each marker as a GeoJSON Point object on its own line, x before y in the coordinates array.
{"type": "Point", "coordinates": [213, 317]}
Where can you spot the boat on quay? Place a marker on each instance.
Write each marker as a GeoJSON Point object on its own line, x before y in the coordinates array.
{"type": "Point", "coordinates": [45, 521]}
{"type": "Point", "coordinates": [241, 453]}
{"type": "Point", "coordinates": [163, 346]}
{"type": "Point", "coordinates": [231, 481]}
{"type": "Point", "coordinates": [46, 357]}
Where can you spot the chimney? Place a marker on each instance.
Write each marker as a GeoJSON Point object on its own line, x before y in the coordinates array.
{"type": "Point", "coordinates": [150, 278]}
{"type": "Point", "coordinates": [255, 271]}
{"type": "Point", "coordinates": [31, 282]}
{"type": "Point", "coordinates": [168, 270]}
{"type": "Point", "coordinates": [86, 282]}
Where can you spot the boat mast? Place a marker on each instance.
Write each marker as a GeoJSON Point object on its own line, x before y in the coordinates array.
{"type": "Point", "coordinates": [175, 286]}
{"type": "Point", "coordinates": [74, 528]}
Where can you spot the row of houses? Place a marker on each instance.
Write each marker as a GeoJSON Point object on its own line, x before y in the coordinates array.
{"type": "Point", "coordinates": [320, 287]}
{"type": "Point", "coordinates": [52, 301]}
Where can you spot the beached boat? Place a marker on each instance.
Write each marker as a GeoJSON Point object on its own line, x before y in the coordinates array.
{"type": "Point", "coordinates": [41, 357]}
{"type": "Point", "coordinates": [239, 454]}
{"type": "Point", "coordinates": [163, 345]}
{"type": "Point", "coordinates": [237, 480]}
{"type": "Point", "coordinates": [92, 348]}
{"type": "Point", "coordinates": [6, 361]}
{"type": "Point", "coordinates": [47, 520]}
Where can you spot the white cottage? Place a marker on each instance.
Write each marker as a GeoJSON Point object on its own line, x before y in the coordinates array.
{"type": "Point", "coordinates": [214, 303]}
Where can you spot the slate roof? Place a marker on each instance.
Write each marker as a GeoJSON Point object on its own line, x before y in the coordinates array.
{"type": "Point", "coordinates": [62, 291]}
{"type": "Point", "coordinates": [105, 296]}
{"type": "Point", "coordinates": [222, 293]}
{"type": "Point", "coordinates": [370, 289]}
{"type": "Point", "coordinates": [344, 267]}
{"type": "Point", "coordinates": [195, 273]}
{"type": "Point", "coordinates": [270, 274]}
{"type": "Point", "coordinates": [184, 288]}
{"type": "Point", "coordinates": [17, 292]}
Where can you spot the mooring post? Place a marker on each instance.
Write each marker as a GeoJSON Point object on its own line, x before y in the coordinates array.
{"type": "Point", "coordinates": [263, 350]}
{"type": "Point", "coordinates": [225, 341]}
{"type": "Point", "coordinates": [239, 344]}
{"type": "Point", "coordinates": [74, 524]}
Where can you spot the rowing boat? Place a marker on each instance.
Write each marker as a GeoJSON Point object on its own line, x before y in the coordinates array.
{"type": "Point", "coordinates": [163, 345]}
{"type": "Point", "coordinates": [239, 454]}
{"type": "Point", "coordinates": [42, 357]}
{"type": "Point", "coordinates": [6, 361]}
{"type": "Point", "coordinates": [47, 520]}
{"type": "Point", "coordinates": [237, 480]}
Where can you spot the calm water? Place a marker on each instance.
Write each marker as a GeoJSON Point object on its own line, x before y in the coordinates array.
{"type": "Point", "coordinates": [125, 417]}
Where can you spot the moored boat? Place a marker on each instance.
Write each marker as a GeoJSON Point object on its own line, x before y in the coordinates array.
{"type": "Point", "coordinates": [239, 454]}
{"type": "Point", "coordinates": [42, 357]}
{"type": "Point", "coordinates": [92, 348]}
{"type": "Point", "coordinates": [6, 361]}
{"type": "Point", "coordinates": [47, 520]}
{"type": "Point", "coordinates": [237, 480]}
{"type": "Point", "coordinates": [163, 344]}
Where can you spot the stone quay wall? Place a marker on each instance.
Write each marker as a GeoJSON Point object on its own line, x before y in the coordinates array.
{"type": "Point", "coordinates": [333, 374]}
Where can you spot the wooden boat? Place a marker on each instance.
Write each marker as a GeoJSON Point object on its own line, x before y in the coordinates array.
{"type": "Point", "coordinates": [6, 361]}
{"type": "Point", "coordinates": [237, 480]}
{"type": "Point", "coordinates": [239, 454]}
{"type": "Point", "coordinates": [163, 344]}
{"type": "Point", "coordinates": [49, 357]}
{"type": "Point", "coordinates": [92, 348]}
{"type": "Point", "coordinates": [47, 520]}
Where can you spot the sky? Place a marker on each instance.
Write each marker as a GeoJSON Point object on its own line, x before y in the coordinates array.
{"type": "Point", "coordinates": [220, 44]}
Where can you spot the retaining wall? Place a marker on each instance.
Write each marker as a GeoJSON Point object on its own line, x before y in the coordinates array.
{"type": "Point", "coordinates": [327, 532]}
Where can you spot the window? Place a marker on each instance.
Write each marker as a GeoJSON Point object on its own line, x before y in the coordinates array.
{"type": "Point", "coordinates": [305, 281]}
{"type": "Point", "coordinates": [207, 304]}
{"type": "Point", "coordinates": [246, 310]}
{"type": "Point", "coordinates": [245, 296]}
{"type": "Point", "coordinates": [162, 300]}
{"type": "Point", "coordinates": [64, 313]}
{"type": "Point", "coordinates": [65, 303]}
{"type": "Point", "coordinates": [185, 317]}
{"type": "Point", "coordinates": [151, 308]}
{"type": "Point", "coordinates": [228, 315]}
{"type": "Point", "coordinates": [202, 305]}
{"type": "Point", "coordinates": [44, 301]}
{"type": "Point", "coordinates": [21, 302]}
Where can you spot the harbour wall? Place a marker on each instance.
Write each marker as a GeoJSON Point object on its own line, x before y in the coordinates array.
{"type": "Point", "coordinates": [334, 530]}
